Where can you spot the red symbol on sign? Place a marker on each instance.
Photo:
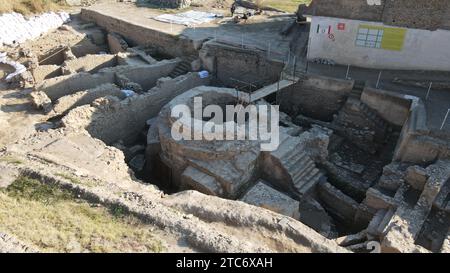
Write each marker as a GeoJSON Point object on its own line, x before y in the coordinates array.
{"type": "Point", "coordinates": [341, 26]}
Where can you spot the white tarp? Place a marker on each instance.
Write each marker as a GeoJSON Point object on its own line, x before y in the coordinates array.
{"type": "Point", "coordinates": [19, 68]}
{"type": "Point", "coordinates": [188, 18]}
{"type": "Point", "coordinates": [15, 29]}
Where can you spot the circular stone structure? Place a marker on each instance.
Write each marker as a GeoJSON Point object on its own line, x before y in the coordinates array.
{"type": "Point", "coordinates": [217, 167]}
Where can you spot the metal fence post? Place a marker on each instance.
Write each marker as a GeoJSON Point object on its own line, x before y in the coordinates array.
{"type": "Point", "coordinates": [295, 68]}
{"type": "Point", "coordinates": [289, 57]}
{"type": "Point", "coordinates": [428, 92]}
{"type": "Point", "coordinates": [379, 79]}
{"type": "Point", "coordinates": [445, 119]}
{"type": "Point", "coordinates": [348, 72]}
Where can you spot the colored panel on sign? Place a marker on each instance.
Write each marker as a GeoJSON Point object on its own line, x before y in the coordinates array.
{"type": "Point", "coordinates": [394, 39]}
{"type": "Point", "coordinates": [381, 37]}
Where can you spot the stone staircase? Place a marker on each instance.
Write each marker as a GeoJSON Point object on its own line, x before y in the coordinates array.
{"type": "Point", "coordinates": [202, 182]}
{"type": "Point", "coordinates": [300, 167]}
{"type": "Point", "coordinates": [357, 90]}
{"type": "Point", "coordinates": [355, 107]}
{"type": "Point", "coordinates": [373, 116]}
{"type": "Point", "coordinates": [183, 67]}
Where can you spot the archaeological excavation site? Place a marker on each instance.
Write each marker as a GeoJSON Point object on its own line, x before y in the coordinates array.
{"type": "Point", "coordinates": [354, 99]}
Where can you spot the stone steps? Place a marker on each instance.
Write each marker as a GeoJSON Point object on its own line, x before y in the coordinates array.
{"type": "Point", "coordinates": [303, 161]}
{"type": "Point", "coordinates": [306, 174]}
{"type": "Point", "coordinates": [373, 116]}
{"type": "Point", "coordinates": [358, 89]}
{"type": "Point", "coordinates": [300, 167]}
{"type": "Point", "coordinates": [202, 182]}
{"type": "Point", "coordinates": [183, 67]}
{"type": "Point", "coordinates": [308, 184]}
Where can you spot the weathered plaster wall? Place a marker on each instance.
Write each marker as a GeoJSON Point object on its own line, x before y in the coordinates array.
{"type": "Point", "coordinates": [422, 49]}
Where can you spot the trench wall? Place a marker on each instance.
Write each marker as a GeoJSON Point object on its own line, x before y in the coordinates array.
{"type": "Point", "coordinates": [416, 143]}
{"type": "Point", "coordinates": [145, 75]}
{"type": "Point", "coordinates": [391, 107]}
{"type": "Point", "coordinates": [91, 63]}
{"type": "Point", "coordinates": [176, 46]}
{"type": "Point", "coordinates": [316, 96]}
{"type": "Point", "coordinates": [248, 65]}
{"type": "Point", "coordinates": [125, 120]}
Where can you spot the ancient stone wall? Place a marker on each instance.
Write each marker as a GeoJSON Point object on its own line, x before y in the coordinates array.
{"type": "Point", "coordinates": [316, 97]}
{"type": "Point", "coordinates": [390, 106]}
{"type": "Point", "coordinates": [354, 9]}
{"type": "Point", "coordinates": [143, 75]}
{"type": "Point", "coordinates": [89, 63]}
{"type": "Point", "coordinates": [139, 35]}
{"type": "Point", "coordinates": [247, 65]}
{"type": "Point", "coordinates": [114, 120]}
{"type": "Point", "coordinates": [170, 3]}
{"type": "Point", "coordinates": [432, 14]}
{"type": "Point", "coordinates": [58, 87]}
{"type": "Point", "coordinates": [416, 143]}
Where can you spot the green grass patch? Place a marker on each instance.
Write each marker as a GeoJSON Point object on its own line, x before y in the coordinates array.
{"type": "Point", "coordinates": [11, 160]}
{"type": "Point", "coordinates": [33, 190]}
{"type": "Point", "coordinates": [54, 220]}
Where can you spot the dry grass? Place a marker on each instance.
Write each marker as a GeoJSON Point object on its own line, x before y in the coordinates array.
{"type": "Point", "coordinates": [11, 160]}
{"type": "Point", "coordinates": [285, 5]}
{"type": "Point", "coordinates": [30, 6]}
{"type": "Point", "coordinates": [55, 221]}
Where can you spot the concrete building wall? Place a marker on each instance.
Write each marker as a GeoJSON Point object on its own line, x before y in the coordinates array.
{"type": "Point", "coordinates": [336, 39]}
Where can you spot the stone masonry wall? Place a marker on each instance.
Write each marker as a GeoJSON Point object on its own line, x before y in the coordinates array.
{"type": "Point", "coordinates": [113, 120]}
